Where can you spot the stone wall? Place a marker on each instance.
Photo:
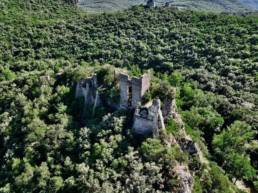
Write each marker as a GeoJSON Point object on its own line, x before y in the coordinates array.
{"type": "Point", "coordinates": [138, 85]}
{"type": "Point", "coordinates": [87, 88]}
{"type": "Point", "coordinates": [151, 3]}
{"type": "Point", "coordinates": [136, 91]}
{"type": "Point", "coordinates": [145, 83]}
{"type": "Point", "coordinates": [148, 120]}
{"type": "Point", "coordinates": [124, 90]}
{"type": "Point", "coordinates": [143, 125]}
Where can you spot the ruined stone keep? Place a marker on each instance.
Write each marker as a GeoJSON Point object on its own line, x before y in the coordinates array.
{"type": "Point", "coordinates": [132, 90]}
{"type": "Point", "coordinates": [148, 119]}
{"type": "Point", "coordinates": [88, 89]}
{"type": "Point", "coordinates": [151, 3]}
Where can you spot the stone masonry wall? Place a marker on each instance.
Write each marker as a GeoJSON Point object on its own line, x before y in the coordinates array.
{"type": "Point", "coordinates": [136, 91]}
{"type": "Point", "coordinates": [139, 87]}
{"type": "Point", "coordinates": [149, 120]}
{"type": "Point", "coordinates": [124, 90]}
{"type": "Point", "coordinates": [145, 82]}
{"type": "Point", "coordinates": [87, 88]}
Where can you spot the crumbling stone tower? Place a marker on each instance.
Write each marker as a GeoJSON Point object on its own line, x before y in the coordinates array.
{"type": "Point", "coordinates": [87, 88]}
{"type": "Point", "coordinates": [149, 119]}
{"type": "Point", "coordinates": [132, 90]}
{"type": "Point", "coordinates": [151, 3]}
{"type": "Point", "coordinates": [124, 90]}
{"type": "Point", "coordinates": [139, 88]}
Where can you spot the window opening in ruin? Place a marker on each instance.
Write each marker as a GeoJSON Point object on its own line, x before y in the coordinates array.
{"type": "Point", "coordinates": [130, 94]}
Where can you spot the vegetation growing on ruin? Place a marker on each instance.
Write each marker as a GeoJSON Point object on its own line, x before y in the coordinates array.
{"type": "Point", "coordinates": [211, 59]}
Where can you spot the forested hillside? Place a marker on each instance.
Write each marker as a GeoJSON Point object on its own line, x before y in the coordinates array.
{"type": "Point", "coordinates": [211, 60]}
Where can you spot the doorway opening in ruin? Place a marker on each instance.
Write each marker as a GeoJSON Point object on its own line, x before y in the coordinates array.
{"type": "Point", "coordinates": [130, 95]}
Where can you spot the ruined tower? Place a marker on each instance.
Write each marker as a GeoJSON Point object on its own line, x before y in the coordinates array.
{"type": "Point", "coordinates": [148, 119]}
{"type": "Point", "coordinates": [87, 88]}
{"type": "Point", "coordinates": [151, 3]}
{"type": "Point", "coordinates": [124, 90]}
{"type": "Point", "coordinates": [137, 87]}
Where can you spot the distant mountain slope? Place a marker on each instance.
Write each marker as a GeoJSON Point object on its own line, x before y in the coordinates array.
{"type": "Point", "coordinates": [252, 4]}
{"type": "Point", "coordinates": [204, 5]}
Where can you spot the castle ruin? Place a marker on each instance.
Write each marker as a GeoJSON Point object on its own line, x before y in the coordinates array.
{"type": "Point", "coordinates": [151, 3]}
{"type": "Point", "coordinates": [148, 119]}
{"type": "Point", "coordinates": [132, 90]}
{"type": "Point", "coordinates": [88, 89]}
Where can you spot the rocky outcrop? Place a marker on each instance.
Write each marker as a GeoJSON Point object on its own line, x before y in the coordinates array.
{"type": "Point", "coordinates": [185, 179]}
{"type": "Point", "coordinates": [188, 145]}
{"type": "Point", "coordinates": [185, 141]}
{"type": "Point", "coordinates": [169, 111]}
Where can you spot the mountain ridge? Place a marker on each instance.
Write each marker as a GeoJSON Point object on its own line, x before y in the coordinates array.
{"type": "Point", "coordinates": [202, 5]}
